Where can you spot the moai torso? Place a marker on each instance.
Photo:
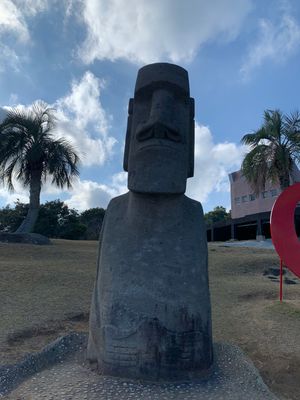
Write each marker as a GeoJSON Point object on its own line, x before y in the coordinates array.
{"type": "Point", "coordinates": [150, 314]}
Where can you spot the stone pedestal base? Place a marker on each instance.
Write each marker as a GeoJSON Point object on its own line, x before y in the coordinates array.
{"type": "Point", "coordinates": [233, 377]}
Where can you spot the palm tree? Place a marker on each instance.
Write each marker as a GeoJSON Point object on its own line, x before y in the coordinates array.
{"type": "Point", "coordinates": [274, 150]}
{"type": "Point", "coordinates": [30, 153]}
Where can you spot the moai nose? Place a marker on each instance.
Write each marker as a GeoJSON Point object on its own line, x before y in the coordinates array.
{"type": "Point", "coordinates": [162, 106]}
{"type": "Point", "coordinates": [159, 131]}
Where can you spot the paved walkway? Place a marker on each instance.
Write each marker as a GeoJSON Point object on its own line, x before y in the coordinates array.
{"type": "Point", "coordinates": [264, 244]}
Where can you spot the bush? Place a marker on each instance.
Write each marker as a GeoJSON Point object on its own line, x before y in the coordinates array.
{"type": "Point", "coordinates": [56, 220]}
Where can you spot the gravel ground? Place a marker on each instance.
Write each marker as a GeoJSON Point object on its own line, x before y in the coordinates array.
{"type": "Point", "coordinates": [234, 378]}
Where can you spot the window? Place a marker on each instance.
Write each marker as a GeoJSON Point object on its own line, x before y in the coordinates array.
{"type": "Point", "coordinates": [264, 194]}
{"type": "Point", "coordinates": [252, 197]}
{"type": "Point", "coordinates": [244, 199]}
{"type": "Point", "coordinates": [273, 192]}
{"type": "Point", "coordinates": [237, 200]}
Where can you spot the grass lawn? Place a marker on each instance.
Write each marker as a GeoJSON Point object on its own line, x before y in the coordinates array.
{"type": "Point", "coordinates": [45, 291]}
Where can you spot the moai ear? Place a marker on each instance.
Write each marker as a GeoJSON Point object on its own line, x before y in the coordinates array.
{"type": "Point", "coordinates": [191, 141]}
{"type": "Point", "coordinates": [128, 134]}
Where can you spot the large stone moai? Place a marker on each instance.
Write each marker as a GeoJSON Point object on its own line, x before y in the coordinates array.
{"type": "Point", "coordinates": [150, 314]}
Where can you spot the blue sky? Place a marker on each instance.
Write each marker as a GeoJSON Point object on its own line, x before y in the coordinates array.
{"type": "Point", "coordinates": [82, 57]}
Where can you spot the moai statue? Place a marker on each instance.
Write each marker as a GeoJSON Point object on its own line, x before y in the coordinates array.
{"type": "Point", "coordinates": [150, 315]}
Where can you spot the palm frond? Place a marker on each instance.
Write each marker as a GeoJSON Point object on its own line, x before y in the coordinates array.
{"type": "Point", "coordinates": [62, 162]}
{"type": "Point", "coordinates": [255, 167]}
{"type": "Point", "coordinates": [27, 146]}
{"type": "Point", "coordinates": [273, 149]}
{"type": "Point", "coordinates": [291, 130]}
{"type": "Point", "coordinates": [6, 175]}
{"type": "Point", "coordinates": [253, 139]}
{"type": "Point", "coordinates": [292, 122]}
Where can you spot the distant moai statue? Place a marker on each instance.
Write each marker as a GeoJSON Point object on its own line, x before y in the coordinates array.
{"type": "Point", "coordinates": [150, 315]}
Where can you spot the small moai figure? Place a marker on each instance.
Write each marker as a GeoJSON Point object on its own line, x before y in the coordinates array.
{"type": "Point", "coordinates": [150, 314]}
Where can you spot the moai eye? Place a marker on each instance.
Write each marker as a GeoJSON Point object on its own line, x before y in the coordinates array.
{"type": "Point", "coordinates": [173, 135]}
{"type": "Point", "coordinates": [144, 134]}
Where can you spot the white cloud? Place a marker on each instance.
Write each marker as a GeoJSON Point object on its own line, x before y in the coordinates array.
{"type": "Point", "coordinates": [13, 99]}
{"type": "Point", "coordinates": [276, 42]}
{"type": "Point", "coordinates": [119, 182]}
{"type": "Point", "coordinates": [82, 119]}
{"type": "Point", "coordinates": [84, 102]}
{"type": "Point", "coordinates": [9, 198]}
{"type": "Point", "coordinates": [9, 58]}
{"type": "Point", "coordinates": [88, 194]}
{"type": "Point", "coordinates": [12, 20]}
{"type": "Point", "coordinates": [213, 162]}
{"type": "Point", "coordinates": [143, 31]}
{"type": "Point", "coordinates": [32, 7]}
{"type": "Point", "coordinates": [13, 15]}
{"type": "Point", "coordinates": [84, 194]}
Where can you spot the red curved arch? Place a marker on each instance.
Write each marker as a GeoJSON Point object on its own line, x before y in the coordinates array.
{"type": "Point", "coordinates": [283, 231]}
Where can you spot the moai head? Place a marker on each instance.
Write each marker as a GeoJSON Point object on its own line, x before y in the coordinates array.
{"type": "Point", "coordinates": [159, 149]}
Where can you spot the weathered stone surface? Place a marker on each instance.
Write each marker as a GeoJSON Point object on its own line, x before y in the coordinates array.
{"type": "Point", "coordinates": [233, 377]}
{"type": "Point", "coordinates": [159, 150]}
{"type": "Point", "coordinates": [26, 238]}
{"type": "Point", "coordinates": [150, 314]}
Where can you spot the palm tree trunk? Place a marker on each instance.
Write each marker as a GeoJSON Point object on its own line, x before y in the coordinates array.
{"type": "Point", "coordinates": [284, 181]}
{"type": "Point", "coordinates": [27, 225]}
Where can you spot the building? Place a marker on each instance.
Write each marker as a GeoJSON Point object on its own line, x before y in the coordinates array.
{"type": "Point", "coordinates": [250, 212]}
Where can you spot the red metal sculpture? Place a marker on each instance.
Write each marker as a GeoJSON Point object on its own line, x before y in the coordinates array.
{"type": "Point", "coordinates": [283, 230]}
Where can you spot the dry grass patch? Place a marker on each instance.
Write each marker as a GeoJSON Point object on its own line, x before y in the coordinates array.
{"type": "Point", "coordinates": [41, 289]}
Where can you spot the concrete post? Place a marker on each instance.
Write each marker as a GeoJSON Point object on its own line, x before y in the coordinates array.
{"type": "Point", "coordinates": [259, 232]}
